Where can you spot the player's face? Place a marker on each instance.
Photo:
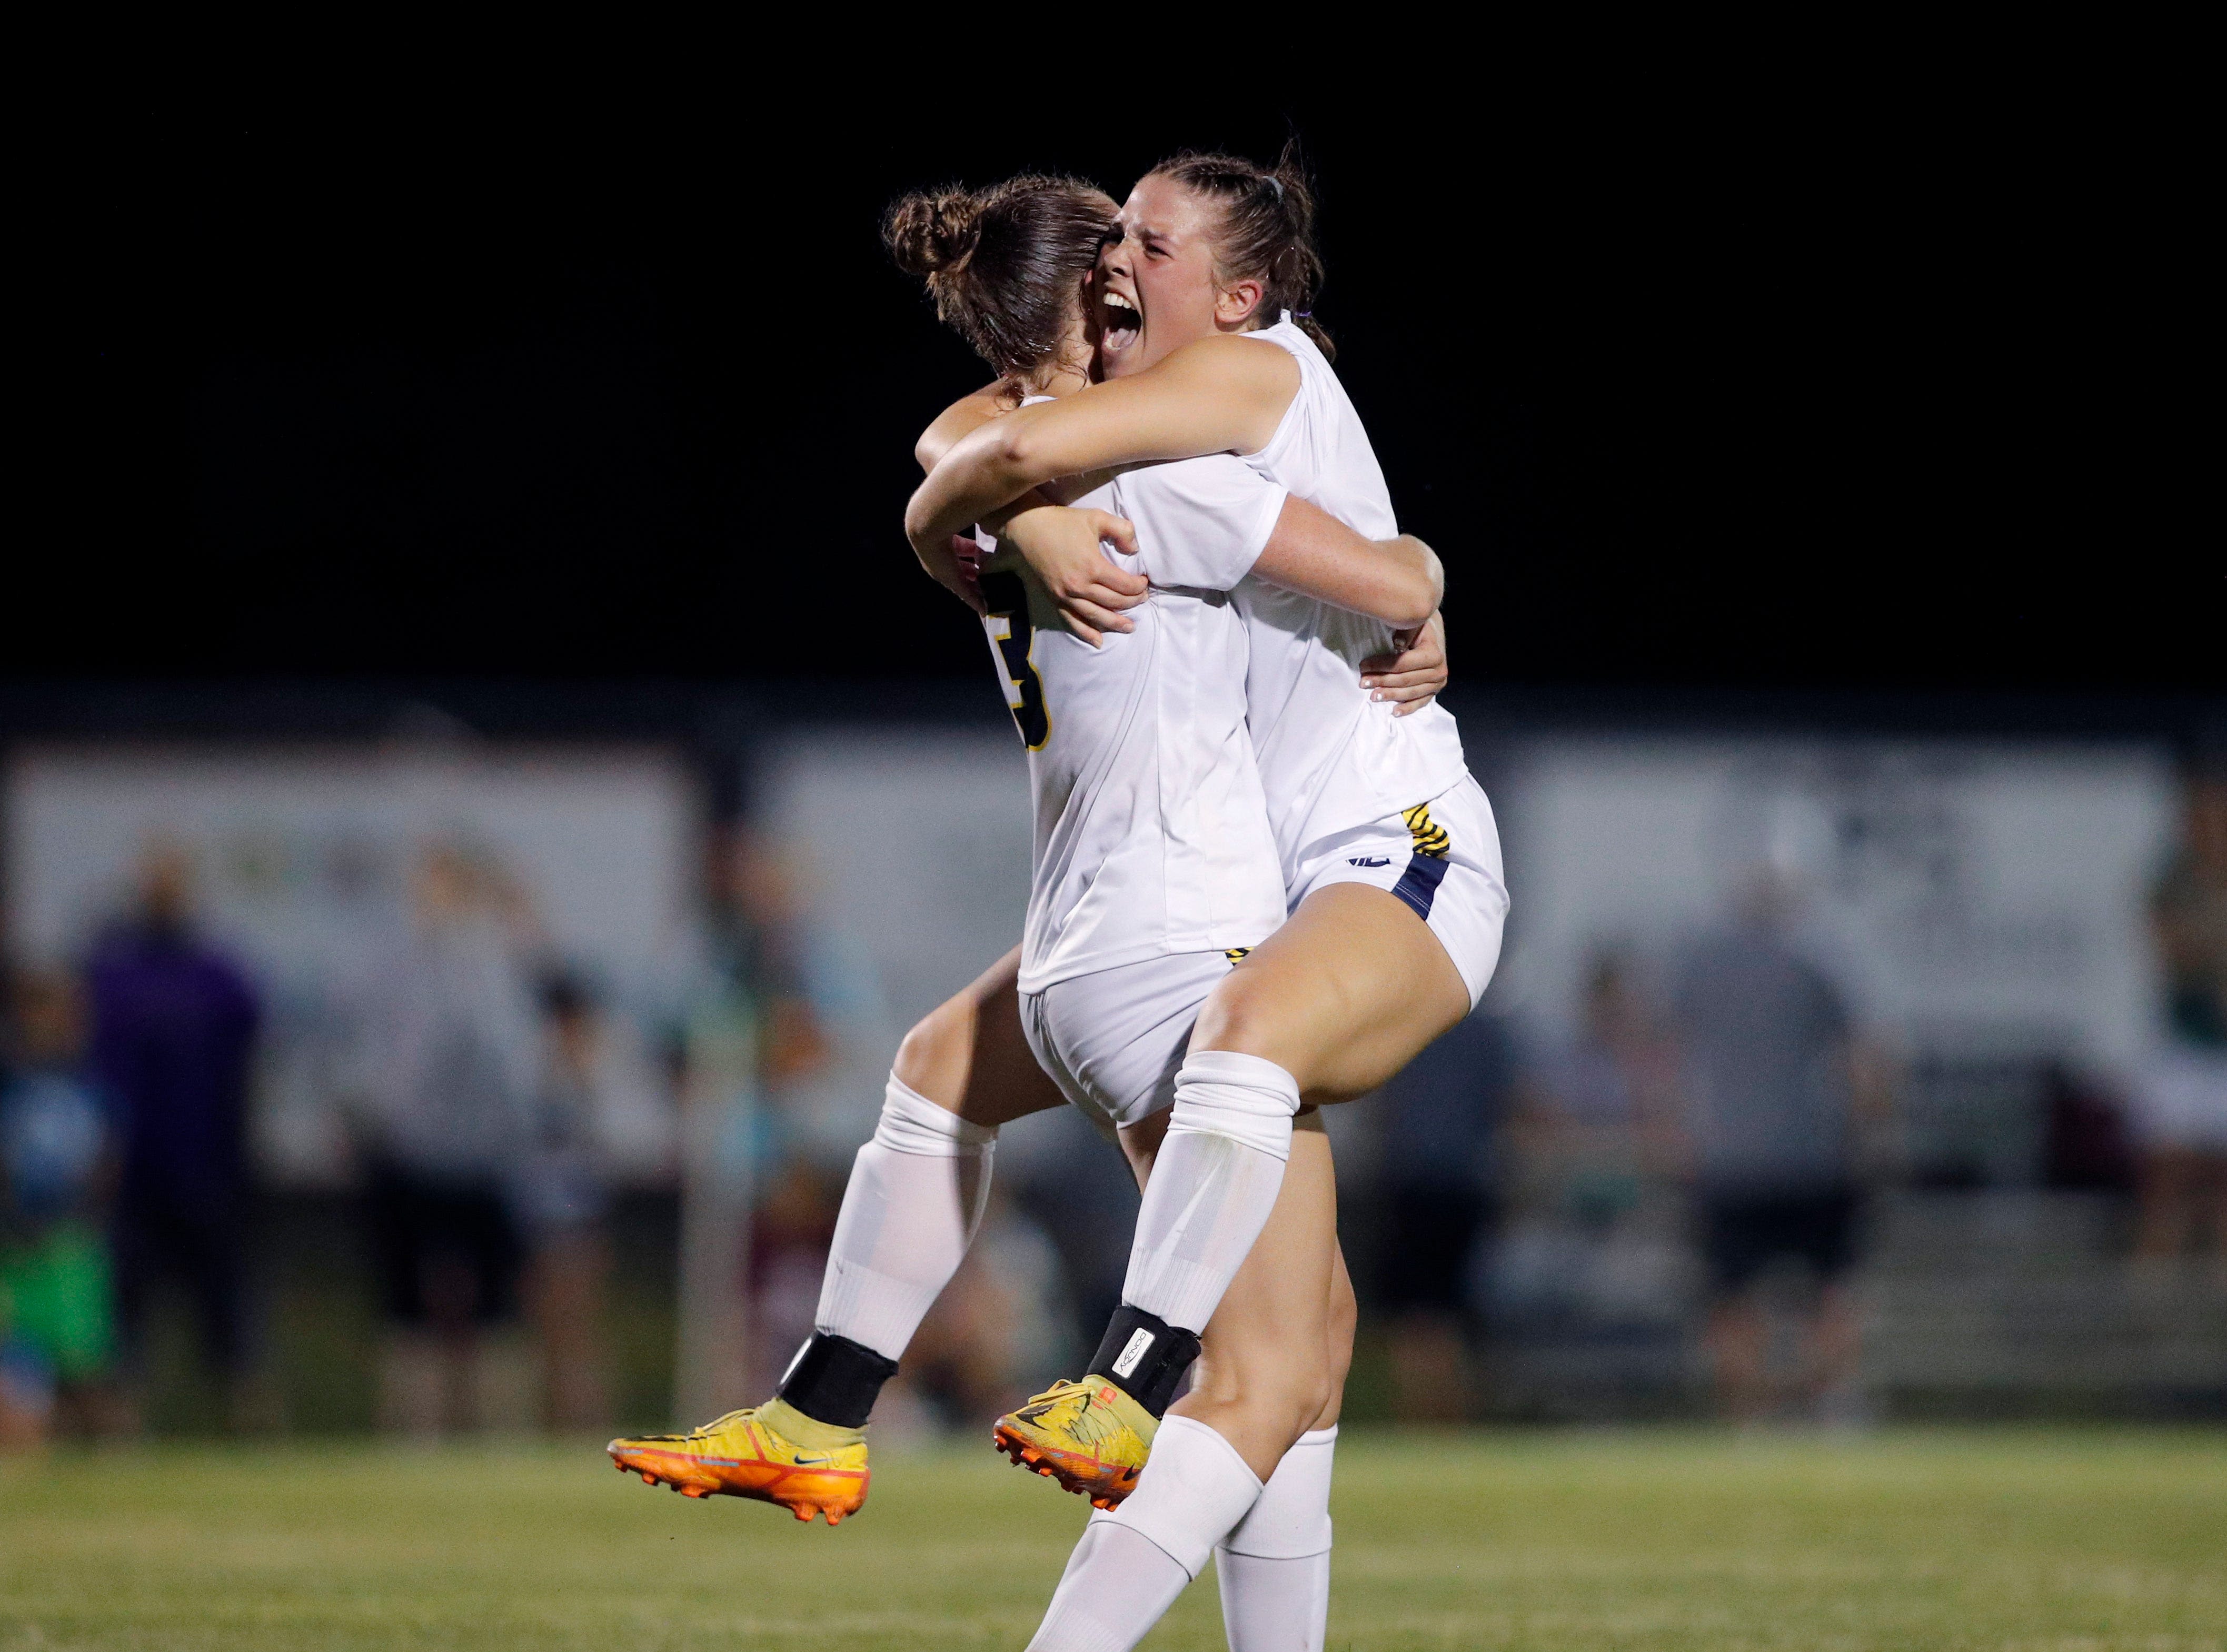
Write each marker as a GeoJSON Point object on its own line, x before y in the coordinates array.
{"type": "Point", "coordinates": [1155, 288]}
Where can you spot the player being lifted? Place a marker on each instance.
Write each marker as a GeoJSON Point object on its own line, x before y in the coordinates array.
{"type": "Point", "coordinates": [1392, 870]}
{"type": "Point", "coordinates": [1154, 859]}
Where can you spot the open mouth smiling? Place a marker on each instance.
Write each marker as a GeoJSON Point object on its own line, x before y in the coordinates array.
{"type": "Point", "coordinates": [1120, 322]}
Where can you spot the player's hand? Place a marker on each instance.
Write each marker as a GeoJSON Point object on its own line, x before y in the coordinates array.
{"type": "Point", "coordinates": [1410, 679]}
{"type": "Point", "coordinates": [1062, 545]}
{"type": "Point", "coordinates": [956, 565]}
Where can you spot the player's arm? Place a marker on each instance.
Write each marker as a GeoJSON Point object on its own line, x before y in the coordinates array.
{"type": "Point", "coordinates": [1220, 395]}
{"type": "Point", "coordinates": [1398, 581]}
{"type": "Point", "coordinates": [964, 417]}
{"type": "Point", "coordinates": [1093, 592]}
{"type": "Point", "coordinates": [1308, 549]}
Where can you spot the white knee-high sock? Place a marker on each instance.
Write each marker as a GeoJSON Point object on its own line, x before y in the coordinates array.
{"type": "Point", "coordinates": [1212, 1186]}
{"type": "Point", "coordinates": [1132, 1563]}
{"type": "Point", "coordinates": [1274, 1567]}
{"type": "Point", "coordinates": [915, 1196]}
{"type": "Point", "coordinates": [1116, 1586]}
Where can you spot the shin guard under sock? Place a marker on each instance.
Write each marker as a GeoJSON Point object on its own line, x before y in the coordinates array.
{"type": "Point", "coordinates": [1193, 1493]}
{"type": "Point", "coordinates": [915, 1197]}
{"type": "Point", "coordinates": [1274, 1565]}
{"type": "Point", "coordinates": [1117, 1586]}
{"type": "Point", "coordinates": [1214, 1182]}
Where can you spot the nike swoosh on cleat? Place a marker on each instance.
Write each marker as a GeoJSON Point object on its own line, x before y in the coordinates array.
{"type": "Point", "coordinates": [813, 1462]}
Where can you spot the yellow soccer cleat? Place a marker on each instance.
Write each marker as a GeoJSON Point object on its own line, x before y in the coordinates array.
{"type": "Point", "coordinates": [757, 1453]}
{"type": "Point", "coordinates": [1089, 1435]}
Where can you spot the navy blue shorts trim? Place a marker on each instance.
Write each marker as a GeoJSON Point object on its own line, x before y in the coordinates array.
{"type": "Point", "coordinates": [1419, 885]}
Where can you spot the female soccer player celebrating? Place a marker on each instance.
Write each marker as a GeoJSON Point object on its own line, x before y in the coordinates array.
{"type": "Point", "coordinates": [1154, 858]}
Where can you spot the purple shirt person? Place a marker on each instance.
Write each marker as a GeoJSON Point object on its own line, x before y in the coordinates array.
{"type": "Point", "coordinates": [173, 1026]}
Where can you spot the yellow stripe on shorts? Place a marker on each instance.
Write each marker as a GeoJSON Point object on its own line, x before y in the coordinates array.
{"type": "Point", "coordinates": [1430, 838]}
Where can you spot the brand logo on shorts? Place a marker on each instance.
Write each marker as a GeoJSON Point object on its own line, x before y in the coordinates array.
{"type": "Point", "coordinates": [1370, 860]}
{"type": "Point", "coordinates": [1140, 1343]}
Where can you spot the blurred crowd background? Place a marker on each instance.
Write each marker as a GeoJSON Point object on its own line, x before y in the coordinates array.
{"type": "Point", "coordinates": [436, 1070]}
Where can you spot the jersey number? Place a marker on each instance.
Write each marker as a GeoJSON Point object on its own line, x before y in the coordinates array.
{"type": "Point", "coordinates": [1007, 622]}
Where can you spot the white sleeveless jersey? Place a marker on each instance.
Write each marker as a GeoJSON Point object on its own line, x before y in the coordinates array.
{"type": "Point", "coordinates": [1331, 758]}
{"type": "Point", "coordinates": [1152, 831]}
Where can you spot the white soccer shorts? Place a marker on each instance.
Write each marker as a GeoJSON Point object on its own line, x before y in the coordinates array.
{"type": "Point", "coordinates": [1441, 858]}
{"type": "Point", "coordinates": [1112, 1040]}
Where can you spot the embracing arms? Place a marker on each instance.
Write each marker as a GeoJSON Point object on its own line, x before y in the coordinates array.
{"type": "Point", "coordinates": [1398, 581]}
{"type": "Point", "coordinates": [1211, 397]}
{"type": "Point", "coordinates": [1220, 395]}
{"type": "Point", "coordinates": [950, 558]}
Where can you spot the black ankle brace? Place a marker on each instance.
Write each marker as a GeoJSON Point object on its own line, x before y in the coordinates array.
{"type": "Point", "coordinates": [1144, 1356]}
{"type": "Point", "coordinates": [834, 1380]}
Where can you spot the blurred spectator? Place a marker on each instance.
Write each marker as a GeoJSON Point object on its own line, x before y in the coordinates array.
{"type": "Point", "coordinates": [597, 1104]}
{"type": "Point", "coordinates": [1598, 1113]}
{"type": "Point", "coordinates": [2086, 1146]}
{"type": "Point", "coordinates": [173, 1026]}
{"type": "Point", "coordinates": [791, 1227]}
{"type": "Point", "coordinates": [757, 929]}
{"type": "Point", "coordinates": [1002, 1319]}
{"type": "Point", "coordinates": [756, 1217]}
{"type": "Point", "coordinates": [452, 1065]}
{"type": "Point", "coordinates": [57, 1329]}
{"type": "Point", "coordinates": [2180, 1098]}
{"type": "Point", "coordinates": [1438, 1119]}
{"type": "Point", "coordinates": [560, 1196]}
{"type": "Point", "coordinates": [1769, 1068]}
{"type": "Point", "coordinates": [1596, 1227]}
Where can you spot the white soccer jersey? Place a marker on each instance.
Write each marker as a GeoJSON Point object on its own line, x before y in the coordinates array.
{"type": "Point", "coordinates": [1331, 758]}
{"type": "Point", "coordinates": [1152, 831]}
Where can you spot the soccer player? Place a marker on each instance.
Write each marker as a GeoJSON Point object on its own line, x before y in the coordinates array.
{"type": "Point", "coordinates": [1392, 870]}
{"type": "Point", "coordinates": [1154, 864]}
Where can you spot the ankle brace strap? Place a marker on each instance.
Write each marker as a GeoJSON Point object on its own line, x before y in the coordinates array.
{"type": "Point", "coordinates": [834, 1380]}
{"type": "Point", "coordinates": [1144, 1356]}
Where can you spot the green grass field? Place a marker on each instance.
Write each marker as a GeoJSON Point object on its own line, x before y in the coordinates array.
{"type": "Point", "coordinates": [2069, 1540]}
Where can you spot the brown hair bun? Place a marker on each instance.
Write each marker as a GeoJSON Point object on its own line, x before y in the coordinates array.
{"type": "Point", "coordinates": [929, 232]}
{"type": "Point", "coordinates": [1005, 263]}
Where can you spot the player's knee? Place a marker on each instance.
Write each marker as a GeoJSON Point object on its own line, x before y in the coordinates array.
{"type": "Point", "coordinates": [934, 1056]}
{"type": "Point", "coordinates": [1244, 1014]}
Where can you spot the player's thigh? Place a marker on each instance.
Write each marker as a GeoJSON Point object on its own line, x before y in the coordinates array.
{"type": "Point", "coordinates": [969, 1054]}
{"type": "Point", "coordinates": [1344, 995]}
{"type": "Point", "coordinates": [1269, 1338]}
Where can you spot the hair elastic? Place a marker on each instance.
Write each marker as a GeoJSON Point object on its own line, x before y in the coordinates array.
{"type": "Point", "coordinates": [1277, 184]}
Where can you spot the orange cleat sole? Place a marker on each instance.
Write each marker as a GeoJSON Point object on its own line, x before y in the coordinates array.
{"type": "Point", "coordinates": [833, 1494]}
{"type": "Point", "coordinates": [1104, 1485]}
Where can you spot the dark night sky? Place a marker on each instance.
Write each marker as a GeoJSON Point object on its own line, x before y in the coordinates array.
{"type": "Point", "coordinates": [1717, 396]}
